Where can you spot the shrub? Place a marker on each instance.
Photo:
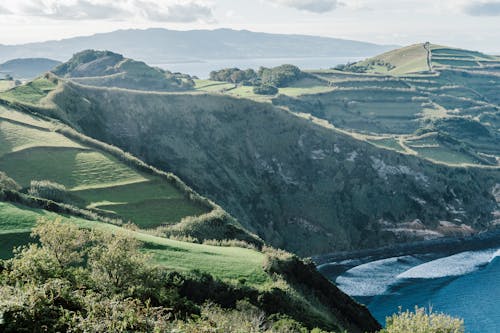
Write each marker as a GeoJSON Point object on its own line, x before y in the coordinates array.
{"type": "Point", "coordinates": [265, 89]}
{"type": "Point", "coordinates": [8, 183]}
{"type": "Point", "coordinates": [280, 76]}
{"type": "Point", "coordinates": [48, 190]}
{"type": "Point", "coordinates": [423, 321]}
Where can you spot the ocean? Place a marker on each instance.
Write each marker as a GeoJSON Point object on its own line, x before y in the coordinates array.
{"type": "Point", "coordinates": [203, 68]}
{"type": "Point", "coordinates": [465, 285]}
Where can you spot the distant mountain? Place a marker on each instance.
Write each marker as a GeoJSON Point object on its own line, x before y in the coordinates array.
{"type": "Point", "coordinates": [27, 68]}
{"type": "Point", "coordinates": [109, 69]}
{"type": "Point", "coordinates": [161, 45]}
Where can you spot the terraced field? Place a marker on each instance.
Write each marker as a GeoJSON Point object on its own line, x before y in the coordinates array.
{"type": "Point", "coordinates": [30, 150]}
{"type": "Point", "coordinates": [227, 263]}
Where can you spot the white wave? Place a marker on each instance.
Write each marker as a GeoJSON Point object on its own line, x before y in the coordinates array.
{"type": "Point", "coordinates": [455, 265]}
{"type": "Point", "coordinates": [496, 254]}
{"type": "Point", "coordinates": [375, 277]}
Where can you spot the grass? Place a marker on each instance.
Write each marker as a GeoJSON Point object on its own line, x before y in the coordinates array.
{"type": "Point", "coordinates": [6, 85]}
{"type": "Point", "coordinates": [410, 59]}
{"type": "Point", "coordinates": [15, 137]}
{"type": "Point", "coordinates": [74, 168]}
{"type": "Point", "coordinates": [301, 87]}
{"type": "Point", "coordinates": [212, 86]}
{"type": "Point", "coordinates": [31, 93]}
{"type": "Point", "coordinates": [8, 241]}
{"type": "Point", "coordinates": [306, 86]}
{"type": "Point", "coordinates": [227, 263]}
{"type": "Point", "coordinates": [446, 155]}
{"type": "Point", "coordinates": [152, 213]}
{"type": "Point", "coordinates": [24, 118]}
{"type": "Point", "coordinates": [101, 181]}
{"type": "Point", "coordinates": [135, 192]}
{"type": "Point", "coordinates": [388, 143]}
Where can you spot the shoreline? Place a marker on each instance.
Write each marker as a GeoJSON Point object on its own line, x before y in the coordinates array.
{"type": "Point", "coordinates": [446, 246]}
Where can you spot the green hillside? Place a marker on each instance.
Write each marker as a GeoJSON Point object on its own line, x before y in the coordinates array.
{"type": "Point", "coordinates": [313, 190]}
{"type": "Point", "coordinates": [95, 177]}
{"type": "Point", "coordinates": [420, 58]}
{"type": "Point", "coordinates": [223, 262]}
{"type": "Point", "coordinates": [108, 69]}
{"type": "Point", "coordinates": [30, 150]}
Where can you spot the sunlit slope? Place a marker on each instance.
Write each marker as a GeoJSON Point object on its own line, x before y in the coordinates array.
{"type": "Point", "coordinates": [414, 59]}
{"type": "Point", "coordinates": [16, 222]}
{"type": "Point", "coordinates": [30, 150]}
{"type": "Point", "coordinates": [299, 185]}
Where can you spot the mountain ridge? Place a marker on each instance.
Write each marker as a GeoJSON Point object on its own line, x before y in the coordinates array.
{"type": "Point", "coordinates": [146, 45]}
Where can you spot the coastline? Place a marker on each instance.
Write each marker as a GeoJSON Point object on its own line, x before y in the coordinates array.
{"type": "Point", "coordinates": [444, 246]}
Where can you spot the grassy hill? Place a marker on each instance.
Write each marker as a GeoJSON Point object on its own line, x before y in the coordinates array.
{"type": "Point", "coordinates": [97, 178]}
{"type": "Point", "coordinates": [313, 190]}
{"type": "Point", "coordinates": [423, 58]}
{"type": "Point", "coordinates": [108, 69]}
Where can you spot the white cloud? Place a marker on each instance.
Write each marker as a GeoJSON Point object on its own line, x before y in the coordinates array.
{"type": "Point", "coordinates": [315, 6]}
{"type": "Point", "coordinates": [151, 10]}
{"type": "Point", "coordinates": [482, 8]}
{"type": "Point", "coordinates": [4, 11]}
{"type": "Point", "coordinates": [181, 11]}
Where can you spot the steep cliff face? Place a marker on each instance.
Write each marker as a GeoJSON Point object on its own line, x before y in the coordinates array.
{"type": "Point", "coordinates": [299, 186]}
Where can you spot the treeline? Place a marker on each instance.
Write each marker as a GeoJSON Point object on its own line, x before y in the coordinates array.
{"type": "Point", "coordinates": [265, 81]}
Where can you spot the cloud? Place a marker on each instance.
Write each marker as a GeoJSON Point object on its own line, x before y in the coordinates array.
{"type": "Point", "coordinates": [64, 10]}
{"type": "Point", "coordinates": [152, 10]}
{"type": "Point", "coordinates": [489, 8]}
{"type": "Point", "coordinates": [315, 6]}
{"type": "Point", "coordinates": [4, 11]}
{"type": "Point", "coordinates": [184, 11]}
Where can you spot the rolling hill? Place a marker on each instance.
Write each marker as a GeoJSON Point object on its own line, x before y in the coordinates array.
{"type": "Point", "coordinates": [108, 69]}
{"type": "Point", "coordinates": [314, 190]}
{"type": "Point", "coordinates": [424, 58]}
{"type": "Point", "coordinates": [157, 46]}
{"type": "Point", "coordinates": [27, 68]}
{"type": "Point", "coordinates": [48, 170]}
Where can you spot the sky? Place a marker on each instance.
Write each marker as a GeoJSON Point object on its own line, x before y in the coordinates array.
{"type": "Point", "coordinates": [472, 24]}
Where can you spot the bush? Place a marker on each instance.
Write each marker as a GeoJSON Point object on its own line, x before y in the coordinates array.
{"type": "Point", "coordinates": [265, 89]}
{"type": "Point", "coordinates": [280, 76]}
{"type": "Point", "coordinates": [8, 183]}
{"type": "Point", "coordinates": [423, 321]}
{"type": "Point", "coordinates": [48, 190]}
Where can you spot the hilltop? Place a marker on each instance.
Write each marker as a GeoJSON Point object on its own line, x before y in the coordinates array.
{"type": "Point", "coordinates": [157, 46]}
{"type": "Point", "coordinates": [108, 69]}
{"type": "Point", "coordinates": [421, 58]}
{"type": "Point", "coordinates": [27, 68]}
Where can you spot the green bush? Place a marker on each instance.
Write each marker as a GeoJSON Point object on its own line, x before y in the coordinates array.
{"type": "Point", "coordinates": [265, 89]}
{"type": "Point", "coordinates": [423, 321]}
{"type": "Point", "coordinates": [8, 183]}
{"type": "Point", "coordinates": [48, 190]}
{"type": "Point", "coordinates": [280, 76]}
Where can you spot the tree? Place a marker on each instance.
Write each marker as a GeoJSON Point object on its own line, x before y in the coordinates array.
{"type": "Point", "coordinates": [116, 262]}
{"type": "Point", "coordinates": [64, 241]}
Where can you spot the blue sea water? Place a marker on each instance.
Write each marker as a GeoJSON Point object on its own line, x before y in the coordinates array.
{"type": "Point", "coordinates": [465, 285]}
